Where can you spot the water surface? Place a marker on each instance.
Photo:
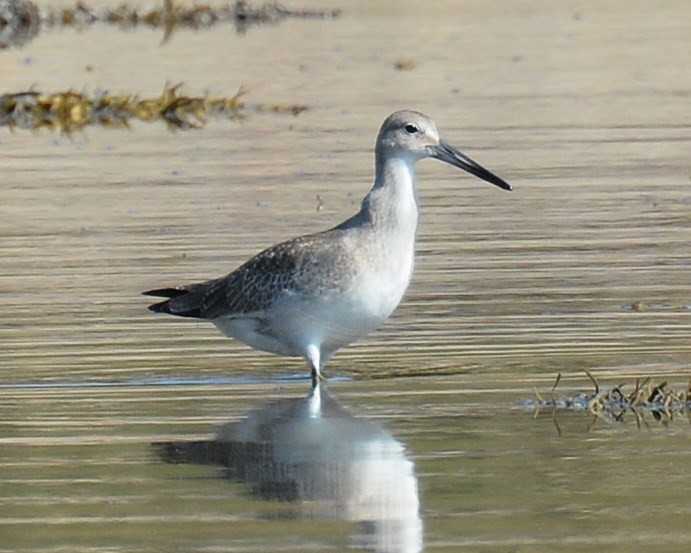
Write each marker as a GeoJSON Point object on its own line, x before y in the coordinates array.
{"type": "Point", "coordinates": [584, 266]}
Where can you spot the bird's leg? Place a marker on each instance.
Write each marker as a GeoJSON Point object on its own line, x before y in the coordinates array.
{"type": "Point", "coordinates": [314, 360]}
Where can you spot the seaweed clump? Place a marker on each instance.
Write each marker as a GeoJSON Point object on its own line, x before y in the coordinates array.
{"type": "Point", "coordinates": [21, 20]}
{"type": "Point", "coordinates": [612, 404]}
{"type": "Point", "coordinates": [72, 111]}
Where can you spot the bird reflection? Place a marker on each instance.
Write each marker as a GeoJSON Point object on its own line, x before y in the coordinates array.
{"type": "Point", "coordinates": [314, 452]}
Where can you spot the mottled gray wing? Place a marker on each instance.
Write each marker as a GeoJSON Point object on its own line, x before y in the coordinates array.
{"type": "Point", "coordinates": [310, 263]}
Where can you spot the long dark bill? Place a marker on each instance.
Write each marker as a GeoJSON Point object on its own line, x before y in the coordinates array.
{"type": "Point", "coordinates": [447, 153]}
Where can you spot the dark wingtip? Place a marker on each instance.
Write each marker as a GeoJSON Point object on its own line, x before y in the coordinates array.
{"type": "Point", "coordinates": [163, 306]}
{"type": "Point", "coordinates": [173, 306]}
{"type": "Point", "coordinates": [165, 292]}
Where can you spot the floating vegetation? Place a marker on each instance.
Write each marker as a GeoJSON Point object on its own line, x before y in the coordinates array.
{"type": "Point", "coordinates": [645, 400]}
{"type": "Point", "coordinates": [21, 20]}
{"type": "Point", "coordinates": [71, 111]}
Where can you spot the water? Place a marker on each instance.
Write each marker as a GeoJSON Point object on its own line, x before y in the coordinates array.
{"type": "Point", "coordinates": [584, 266]}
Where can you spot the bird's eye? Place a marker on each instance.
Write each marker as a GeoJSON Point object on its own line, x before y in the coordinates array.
{"type": "Point", "coordinates": [411, 129]}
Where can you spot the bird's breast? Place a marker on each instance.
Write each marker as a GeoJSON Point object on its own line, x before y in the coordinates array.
{"type": "Point", "coordinates": [383, 276]}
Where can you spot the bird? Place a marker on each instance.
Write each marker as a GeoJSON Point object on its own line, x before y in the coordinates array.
{"type": "Point", "coordinates": [312, 295]}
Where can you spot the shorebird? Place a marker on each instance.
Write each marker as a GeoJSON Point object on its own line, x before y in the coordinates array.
{"type": "Point", "coordinates": [312, 295]}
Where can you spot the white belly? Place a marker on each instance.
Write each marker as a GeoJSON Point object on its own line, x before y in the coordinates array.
{"type": "Point", "coordinates": [329, 321]}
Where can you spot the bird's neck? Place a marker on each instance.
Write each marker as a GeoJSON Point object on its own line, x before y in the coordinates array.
{"type": "Point", "coordinates": [392, 203]}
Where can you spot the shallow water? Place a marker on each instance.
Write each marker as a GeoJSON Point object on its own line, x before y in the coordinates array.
{"type": "Point", "coordinates": [585, 265]}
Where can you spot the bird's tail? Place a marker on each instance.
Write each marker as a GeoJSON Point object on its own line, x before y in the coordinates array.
{"type": "Point", "coordinates": [182, 301]}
